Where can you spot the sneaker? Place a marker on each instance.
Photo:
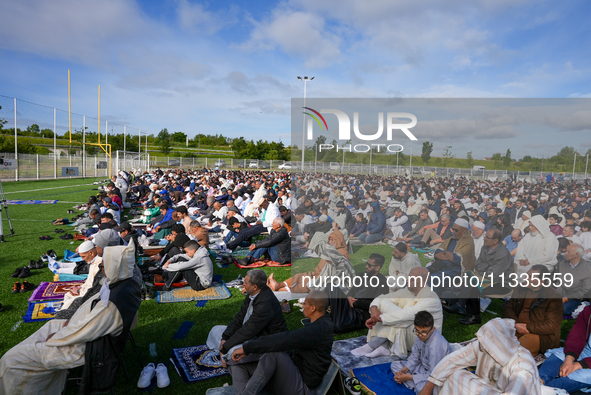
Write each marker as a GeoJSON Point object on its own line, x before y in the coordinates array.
{"type": "Point", "coordinates": [17, 272]}
{"type": "Point", "coordinates": [27, 286]}
{"type": "Point", "coordinates": [44, 258]}
{"type": "Point", "coordinates": [52, 254]}
{"type": "Point", "coordinates": [146, 376]}
{"type": "Point", "coordinates": [16, 288]}
{"type": "Point", "coordinates": [40, 264]}
{"type": "Point", "coordinates": [237, 283]}
{"type": "Point", "coordinates": [32, 264]}
{"type": "Point", "coordinates": [67, 236]}
{"type": "Point", "coordinates": [26, 272]}
{"type": "Point", "coordinates": [353, 385]}
{"type": "Point", "coordinates": [162, 376]}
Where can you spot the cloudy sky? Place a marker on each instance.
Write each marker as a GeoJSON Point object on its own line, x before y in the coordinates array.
{"type": "Point", "coordinates": [231, 67]}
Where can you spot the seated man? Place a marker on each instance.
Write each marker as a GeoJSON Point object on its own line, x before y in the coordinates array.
{"type": "Point", "coordinates": [350, 312]}
{"type": "Point", "coordinates": [512, 241]}
{"type": "Point", "coordinates": [40, 363]}
{"type": "Point", "coordinates": [494, 263]}
{"type": "Point", "coordinates": [360, 225]}
{"type": "Point", "coordinates": [538, 247]}
{"type": "Point", "coordinates": [580, 269]}
{"type": "Point", "coordinates": [88, 252]}
{"type": "Point", "coordinates": [414, 236]}
{"type": "Point", "coordinates": [277, 246]}
{"type": "Point", "coordinates": [568, 367]}
{"type": "Point", "coordinates": [537, 311]}
{"type": "Point", "coordinates": [259, 315]}
{"type": "Point", "coordinates": [502, 365]}
{"type": "Point", "coordinates": [194, 266]}
{"type": "Point", "coordinates": [455, 255]}
{"type": "Point", "coordinates": [435, 233]}
{"type": "Point", "coordinates": [399, 224]}
{"type": "Point", "coordinates": [430, 347]}
{"type": "Point", "coordinates": [401, 264]}
{"type": "Point", "coordinates": [279, 372]}
{"type": "Point", "coordinates": [392, 317]}
{"type": "Point", "coordinates": [235, 226]}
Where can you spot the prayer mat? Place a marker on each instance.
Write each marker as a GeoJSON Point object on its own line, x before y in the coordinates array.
{"type": "Point", "coordinates": [341, 353]}
{"type": "Point", "coordinates": [42, 311]}
{"type": "Point", "coordinates": [540, 358]}
{"type": "Point", "coordinates": [31, 201]}
{"type": "Point", "coordinates": [276, 264]}
{"type": "Point", "coordinates": [159, 282]}
{"type": "Point", "coordinates": [251, 266]}
{"type": "Point", "coordinates": [53, 291]}
{"type": "Point", "coordinates": [379, 380]}
{"type": "Point", "coordinates": [187, 294]}
{"type": "Point", "coordinates": [197, 363]}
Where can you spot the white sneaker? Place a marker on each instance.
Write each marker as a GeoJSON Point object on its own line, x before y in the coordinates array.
{"type": "Point", "coordinates": [162, 376]}
{"type": "Point", "coordinates": [146, 376]}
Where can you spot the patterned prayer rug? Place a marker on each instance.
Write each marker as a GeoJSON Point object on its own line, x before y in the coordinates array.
{"type": "Point", "coordinates": [186, 294]}
{"type": "Point", "coordinates": [53, 291]}
{"type": "Point", "coordinates": [197, 363]}
{"type": "Point", "coordinates": [42, 311]}
{"type": "Point", "coordinates": [379, 380]}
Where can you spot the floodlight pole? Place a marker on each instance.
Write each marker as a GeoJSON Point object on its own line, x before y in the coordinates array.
{"type": "Point", "coordinates": [305, 80]}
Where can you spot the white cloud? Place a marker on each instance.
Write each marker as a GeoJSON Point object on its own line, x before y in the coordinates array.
{"type": "Point", "coordinates": [297, 34]}
{"type": "Point", "coordinates": [82, 31]}
{"type": "Point", "coordinates": [195, 17]}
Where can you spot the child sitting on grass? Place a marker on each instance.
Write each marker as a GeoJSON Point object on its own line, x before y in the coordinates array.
{"type": "Point", "coordinates": [429, 348]}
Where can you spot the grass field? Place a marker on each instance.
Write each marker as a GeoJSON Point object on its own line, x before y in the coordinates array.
{"type": "Point", "coordinates": [157, 322]}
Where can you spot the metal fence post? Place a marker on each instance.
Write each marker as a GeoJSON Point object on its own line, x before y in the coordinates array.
{"type": "Point", "coordinates": [54, 143]}
{"type": "Point", "coordinates": [37, 166]}
{"type": "Point", "coordinates": [15, 144]}
{"type": "Point", "coordinates": [95, 165]}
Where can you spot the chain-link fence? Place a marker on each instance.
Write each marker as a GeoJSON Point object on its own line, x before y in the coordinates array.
{"type": "Point", "coordinates": [37, 166]}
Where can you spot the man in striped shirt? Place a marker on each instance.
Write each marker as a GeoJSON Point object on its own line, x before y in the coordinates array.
{"type": "Point", "coordinates": [502, 365]}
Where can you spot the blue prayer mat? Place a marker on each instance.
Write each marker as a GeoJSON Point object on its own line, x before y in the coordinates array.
{"type": "Point", "coordinates": [197, 363]}
{"type": "Point", "coordinates": [379, 380]}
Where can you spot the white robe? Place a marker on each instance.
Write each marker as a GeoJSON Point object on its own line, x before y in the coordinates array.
{"type": "Point", "coordinates": [398, 313]}
{"type": "Point", "coordinates": [401, 268]}
{"type": "Point", "coordinates": [538, 250]}
{"type": "Point", "coordinates": [39, 366]}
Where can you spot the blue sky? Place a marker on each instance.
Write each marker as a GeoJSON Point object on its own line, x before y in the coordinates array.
{"type": "Point", "coordinates": [231, 67]}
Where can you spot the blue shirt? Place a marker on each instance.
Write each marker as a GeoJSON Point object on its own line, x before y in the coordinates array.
{"type": "Point", "coordinates": [511, 245]}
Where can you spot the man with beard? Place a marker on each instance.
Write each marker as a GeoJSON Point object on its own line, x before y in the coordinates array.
{"type": "Point", "coordinates": [538, 247]}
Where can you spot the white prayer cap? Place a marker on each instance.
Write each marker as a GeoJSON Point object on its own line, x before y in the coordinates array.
{"type": "Point", "coordinates": [86, 246]}
{"type": "Point", "coordinates": [527, 213]}
{"type": "Point", "coordinates": [323, 218]}
{"type": "Point", "coordinates": [462, 222]}
{"type": "Point", "coordinates": [477, 224]}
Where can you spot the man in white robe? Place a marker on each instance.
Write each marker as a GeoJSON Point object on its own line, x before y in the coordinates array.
{"type": "Point", "coordinates": [257, 198]}
{"type": "Point", "coordinates": [478, 237]}
{"type": "Point", "coordinates": [392, 317]}
{"type": "Point", "coordinates": [39, 364]}
{"type": "Point", "coordinates": [538, 247]}
{"type": "Point", "coordinates": [401, 264]}
{"type": "Point", "coordinates": [502, 365]}
{"type": "Point", "coordinates": [88, 252]}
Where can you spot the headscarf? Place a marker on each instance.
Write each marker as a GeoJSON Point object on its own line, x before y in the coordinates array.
{"type": "Point", "coordinates": [340, 244]}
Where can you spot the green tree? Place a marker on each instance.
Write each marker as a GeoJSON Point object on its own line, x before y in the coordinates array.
{"type": "Point", "coordinates": [179, 137]}
{"type": "Point", "coordinates": [470, 159]}
{"type": "Point", "coordinates": [447, 155]}
{"type": "Point", "coordinates": [164, 141]}
{"type": "Point", "coordinates": [507, 158]}
{"type": "Point", "coordinates": [427, 150]}
{"type": "Point", "coordinates": [498, 158]}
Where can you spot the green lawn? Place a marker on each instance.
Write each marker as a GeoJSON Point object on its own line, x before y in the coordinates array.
{"type": "Point", "coordinates": [157, 322]}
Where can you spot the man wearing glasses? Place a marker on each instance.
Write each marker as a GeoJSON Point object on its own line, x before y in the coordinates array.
{"type": "Point", "coordinates": [350, 312]}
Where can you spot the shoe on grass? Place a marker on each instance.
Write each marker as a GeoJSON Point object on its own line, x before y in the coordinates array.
{"type": "Point", "coordinates": [27, 286]}
{"type": "Point", "coordinates": [25, 272]}
{"type": "Point", "coordinates": [146, 376]}
{"type": "Point", "coordinates": [162, 379]}
{"type": "Point", "coordinates": [16, 288]}
{"type": "Point", "coordinates": [353, 385]}
{"type": "Point", "coordinates": [17, 272]}
{"type": "Point", "coordinates": [472, 320]}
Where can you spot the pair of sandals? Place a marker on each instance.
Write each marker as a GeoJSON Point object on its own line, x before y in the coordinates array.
{"type": "Point", "coordinates": [45, 238]}
{"type": "Point", "coordinates": [285, 307]}
{"type": "Point", "coordinates": [67, 236]}
{"type": "Point", "coordinates": [59, 231]}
